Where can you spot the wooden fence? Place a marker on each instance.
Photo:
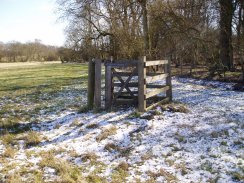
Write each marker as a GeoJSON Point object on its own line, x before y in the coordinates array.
{"type": "Point", "coordinates": [113, 96]}
{"type": "Point", "coordinates": [121, 75]}
{"type": "Point", "coordinates": [144, 80]}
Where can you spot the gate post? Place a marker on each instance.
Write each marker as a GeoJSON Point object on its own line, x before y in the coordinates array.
{"type": "Point", "coordinates": [91, 84]}
{"type": "Point", "coordinates": [98, 77]}
{"type": "Point", "coordinates": [168, 80]}
{"type": "Point", "coordinates": [141, 84]}
{"type": "Point", "coordinates": [108, 87]}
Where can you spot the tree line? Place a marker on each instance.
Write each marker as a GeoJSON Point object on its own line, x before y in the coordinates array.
{"type": "Point", "coordinates": [206, 32]}
{"type": "Point", "coordinates": [35, 51]}
{"type": "Point", "coordinates": [32, 51]}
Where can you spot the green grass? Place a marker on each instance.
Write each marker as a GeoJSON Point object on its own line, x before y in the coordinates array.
{"type": "Point", "coordinates": [29, 93]}
{"type": "Point", "coordinates": [29, 79]}
{"type": "Point", "coordinates": [68, 172]}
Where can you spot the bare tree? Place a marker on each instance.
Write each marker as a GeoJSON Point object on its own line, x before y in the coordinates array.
{"type": "Point", "coordinates": [225, 37]}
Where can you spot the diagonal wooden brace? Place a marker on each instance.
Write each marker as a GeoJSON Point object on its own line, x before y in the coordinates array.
{"type": "Point", "coordinates": [124, 84]}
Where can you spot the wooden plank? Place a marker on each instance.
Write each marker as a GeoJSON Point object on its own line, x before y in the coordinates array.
{"type": "Point", "coordinates": [133, 84]}
{"type": "Point", "coordinates": [157, 98]}
{"type": "Point", "coordinates": [142, 84]}
{"type": "Point", "coordinates": [153, 73]}
{"type": "Point", "coordinates": [125, 93]}
{"type": "Point", "coordinates": [168, 80]}
{"type": "Point", "coordinates": [155, 86]}
{"type": "Point", "coordinates": [98, 78]}
{"type": "Point", "coordinates": [91, 84]}
{"type": "Point", "coordinates": [156, 78]}
{"type": "Point", "coordinates": [157, 91]}
{"type": "Point", "coordinates": [108, 87]}
{"type": "Point", "coordinates": [122, 74]}
{"type": "Point", "coordinates": [127, 97]}
{"type": "Point", "coordinates": [163, 101]}
{"type": "Point", "coordinates": [121, 65]}
{"type": "Point", "coordinates": [156, 62]}
{"type": "Point", "coordinates": [126, 101]}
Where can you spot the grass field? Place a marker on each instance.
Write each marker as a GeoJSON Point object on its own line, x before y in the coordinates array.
{"type": "Point", "coordinates": [28, 92]}
{"type": "Point", "coordinates": [43, 138]}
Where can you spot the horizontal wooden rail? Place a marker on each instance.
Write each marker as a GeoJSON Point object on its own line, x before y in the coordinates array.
{"type": "Point", "coordinates": [125, 93]}
{"type": "Point", "coordinates": [122, 74]}
{"type": "Point", "coordinates": [121, 65]}
{"type": "Point", "coordinates": [156, 62]}
{"type": "Point", "coordinates": [156, 91]}
{"type": "Point", "coordinates": [127, 97]}
{"type": "Point", "coordinates": [134, 84]}
{"type": "Point", "coordinates": [154, 86]}
{"type": "Point", "coordinates": [151, 79]}
{"type": "Point", "coordinates": [153, 74]}
{"type": "Point", "coordinates": [125, 101]}
{"type": "Point", "coordinates": [162, 101]}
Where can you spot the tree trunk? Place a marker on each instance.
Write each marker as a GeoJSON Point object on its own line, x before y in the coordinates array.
{"type": "Point", "coordinates": [145, 27]}
{"type": "Point", "coordinates": [225, 39]}
{"type": "Point", "coordinates": [238, 28]}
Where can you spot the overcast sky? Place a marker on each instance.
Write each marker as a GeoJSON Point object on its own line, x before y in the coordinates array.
{"type": "Point", "coordinates": [27, 20]}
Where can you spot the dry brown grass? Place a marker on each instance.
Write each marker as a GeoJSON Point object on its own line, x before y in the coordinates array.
{"type": "Point", "coordinates": [111, 147]}
{"type": "Point", "coordinates": [9, 152]}
{"type": "Point", "coordinates": [123, 166]}
{"type": "Point", "coordinates": [147, 156]}
{"type": "Point", "coordinates": [93, 178]}
{"type": "Point", "coordinates": [32, 138]}
{"type": "Point", "coordinates": [175, 107]}
{"type": "Point", "coordinates": [65, 170]}
{"type": "Point", "coordinates": [170, 178]}
{"type": "Point", "coordinates": [92, 125]}
{"type": "Point", "coordinates": [14, 178]}
{"type": "Point", "coordinates": [8, 139]}
{"type": "Point", "coordinates": [120, 173]}
{"type": "Point", "coordinates": [182, 168]}
{"type": "Point", "coordinates": [74, 154]}
{"type": "Point", "coordinates": [76, 123]}
{"type": "Point", "coordinates": [89, 156]}
{"type": "Point", "coordinates": [106, 133]}
{"type": "Point", "coordinates": [125, 152]}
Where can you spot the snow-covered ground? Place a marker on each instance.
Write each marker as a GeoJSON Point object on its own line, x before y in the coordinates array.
{"type": "Point", "coordinates": [202, 145]}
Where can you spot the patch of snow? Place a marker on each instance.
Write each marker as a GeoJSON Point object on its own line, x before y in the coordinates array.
{"type": "Point", "coordinates": [201, 143]}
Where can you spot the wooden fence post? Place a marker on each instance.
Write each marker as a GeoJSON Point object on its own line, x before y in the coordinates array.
{"type": "Point", "coordinates": [91, 84]}
{"type": "Point", "coordinates": [108, 87]}
{"type": "Point", "coordinates": [111, 58]}
{"type": "Point", "coordinates": [141, 84]}
{"type": "Point", "coordinates": [181, 67]}
{"type": "Point", "coordinates": [98, 77]}
{"type": "Point", "coordinates": [168, 80]}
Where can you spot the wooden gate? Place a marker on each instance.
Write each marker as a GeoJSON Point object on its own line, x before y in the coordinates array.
{"type": "Point", "coordinates": [118, 77]}
{"type": "Point", "coordinates": [130, 81]}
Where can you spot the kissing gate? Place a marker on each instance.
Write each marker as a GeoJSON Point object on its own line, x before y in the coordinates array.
{"type": "Point", "coordinates": [138, 82]}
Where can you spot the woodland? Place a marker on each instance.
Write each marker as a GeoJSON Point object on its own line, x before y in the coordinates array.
{"type": "Point", "coordinates": [189, 32]}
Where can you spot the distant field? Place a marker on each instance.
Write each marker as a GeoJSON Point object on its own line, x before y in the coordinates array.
{"type": "Point", "coordinates": [29, 90]}
{"type": "Point", "coordinates": [18, 78]}
{"type": "Point", "coordinates": [24, 64]}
